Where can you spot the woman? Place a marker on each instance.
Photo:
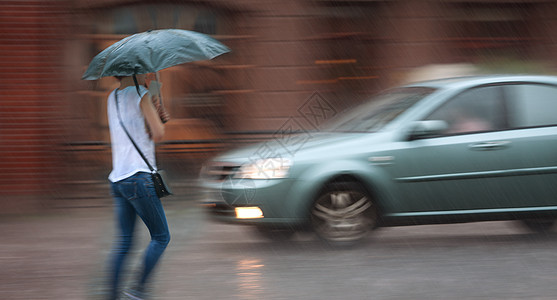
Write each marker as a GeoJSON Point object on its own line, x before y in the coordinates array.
{"type": "Point", "coordinates": [131, 184]}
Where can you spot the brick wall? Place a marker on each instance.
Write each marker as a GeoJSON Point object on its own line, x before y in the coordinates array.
{"type": "Point", "coordinates": [31, 34]}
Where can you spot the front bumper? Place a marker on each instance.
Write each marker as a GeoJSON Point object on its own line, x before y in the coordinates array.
{"type": "Point", "coordinates": [221, 199]}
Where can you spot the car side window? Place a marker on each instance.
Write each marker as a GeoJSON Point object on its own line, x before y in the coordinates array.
{"type": "Point", "coordinates": [474, 110]}
{"type": "Point", "coordinates": [532, 105]}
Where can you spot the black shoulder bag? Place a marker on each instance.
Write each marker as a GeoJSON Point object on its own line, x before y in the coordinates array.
{"type": "Point", "coordinates": [159, 177]}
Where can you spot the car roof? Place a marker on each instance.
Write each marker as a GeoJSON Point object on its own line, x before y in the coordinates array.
{"type": "Point", "coordinates": [469, 81]}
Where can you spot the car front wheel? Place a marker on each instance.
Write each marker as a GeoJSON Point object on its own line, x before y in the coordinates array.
{"type": "Point", "coordinates": [343, 214]}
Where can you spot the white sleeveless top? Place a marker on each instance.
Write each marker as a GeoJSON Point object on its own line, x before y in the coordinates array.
{"type": "Point", "coordinates": [126, 161]}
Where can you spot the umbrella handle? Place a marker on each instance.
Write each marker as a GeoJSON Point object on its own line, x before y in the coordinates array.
{"type": "Point", "coordinates": [160, 91]}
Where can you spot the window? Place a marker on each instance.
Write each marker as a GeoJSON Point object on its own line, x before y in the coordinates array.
{"type": "Point", "coordinates": [482, 31]}
{"type": "Point", "coordinates": [475, 110]}
{"type": "Point", "coordinates": [378, 112]}
{"type": "Point", "coordinates": [532, 105]}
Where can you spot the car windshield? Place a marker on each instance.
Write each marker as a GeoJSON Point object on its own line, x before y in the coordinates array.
{"type": "Point", "coordinates": [378, 111]}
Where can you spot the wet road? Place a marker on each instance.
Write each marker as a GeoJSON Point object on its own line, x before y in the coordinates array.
{"type": "Point", "coordinates": [61, 256]}
{"type": "Point", "coordinates": [493, 260]}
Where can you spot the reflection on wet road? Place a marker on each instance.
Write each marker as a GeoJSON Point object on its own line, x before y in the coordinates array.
{"type": "Point", "coordinates": [250, 278]}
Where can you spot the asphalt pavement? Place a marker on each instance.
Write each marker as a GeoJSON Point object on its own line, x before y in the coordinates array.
{"type": "Point", "coordinates": [61, 254]}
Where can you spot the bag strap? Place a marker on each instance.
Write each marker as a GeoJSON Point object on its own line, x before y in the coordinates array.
{"type": "Point", "coordinates": [128, 134]}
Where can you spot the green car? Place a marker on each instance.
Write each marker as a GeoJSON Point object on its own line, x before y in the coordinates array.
{"type": "Point", "coordinates": [445, 151]}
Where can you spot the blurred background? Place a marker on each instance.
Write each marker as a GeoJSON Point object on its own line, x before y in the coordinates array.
{"type": "Point", "coordinates": [54, 140]}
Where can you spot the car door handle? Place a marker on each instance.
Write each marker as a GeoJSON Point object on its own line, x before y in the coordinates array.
{"type": "Point", "coordinates": [483, 146]}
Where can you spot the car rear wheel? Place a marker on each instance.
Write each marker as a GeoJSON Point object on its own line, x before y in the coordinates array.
{"type": "Point", "coordinates": [539, 225]}
{"type": "Point", "coordinates": [343, 214]}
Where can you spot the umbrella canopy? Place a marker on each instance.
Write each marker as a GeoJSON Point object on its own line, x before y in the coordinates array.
{"type": "Point", "coordinates": [152, 51]}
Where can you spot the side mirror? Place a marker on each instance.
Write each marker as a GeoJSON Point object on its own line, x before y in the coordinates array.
{"type": "Point", "coordinates": [427, 128]}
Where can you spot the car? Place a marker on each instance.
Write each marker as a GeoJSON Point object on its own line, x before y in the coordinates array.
{"type": "Point", "coordinates": [479, 148]}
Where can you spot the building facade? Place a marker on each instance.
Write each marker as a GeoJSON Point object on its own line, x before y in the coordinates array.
{"type": "Point", "coordinates": [54, 132]}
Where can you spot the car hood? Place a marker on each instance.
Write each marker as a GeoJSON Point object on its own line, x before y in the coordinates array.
{"type": "Point", "coordinates": [300, 146]}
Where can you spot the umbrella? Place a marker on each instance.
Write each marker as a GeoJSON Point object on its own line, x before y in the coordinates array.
{"type": "Point", "coordinates": [152, 51]}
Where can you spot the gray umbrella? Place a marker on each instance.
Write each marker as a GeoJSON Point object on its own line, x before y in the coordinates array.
{"type": "Point", "coordinates": [152, 51]}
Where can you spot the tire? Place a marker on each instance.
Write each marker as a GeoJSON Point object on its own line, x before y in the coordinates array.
{"type": "Point", "coordinates": [343, 214]}
{"type": "Point", "coordinates": [277, 234]}
{"type": "Point", "coordinates": [539, 225]}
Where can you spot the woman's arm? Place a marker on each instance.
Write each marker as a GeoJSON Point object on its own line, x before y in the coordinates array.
{"type": "Point", "coordinates": [152, 117]}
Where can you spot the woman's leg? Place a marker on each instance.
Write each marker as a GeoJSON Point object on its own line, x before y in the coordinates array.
{"type": "Point", "coordinates": [149, 208]}
{"type": "Point", "coordinates": [125, 222]}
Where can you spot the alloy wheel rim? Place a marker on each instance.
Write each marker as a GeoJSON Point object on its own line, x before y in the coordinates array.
{"type": "Point", "coordinates": [343, 216]}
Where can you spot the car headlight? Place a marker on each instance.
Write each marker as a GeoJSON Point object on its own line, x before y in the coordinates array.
{"type": "Point", "coordinates": [269, 168]}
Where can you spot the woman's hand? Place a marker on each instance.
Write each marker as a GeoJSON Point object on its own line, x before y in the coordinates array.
{"type": "Point", "coordinates": [159, 106]}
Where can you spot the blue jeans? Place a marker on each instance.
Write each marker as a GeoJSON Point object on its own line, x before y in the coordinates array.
{"type": "Point", "coordinates": [136, 196]}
